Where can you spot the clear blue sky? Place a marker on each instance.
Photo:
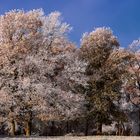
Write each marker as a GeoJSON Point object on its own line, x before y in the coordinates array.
{"type": "Point", "coordinates": [122, 16]}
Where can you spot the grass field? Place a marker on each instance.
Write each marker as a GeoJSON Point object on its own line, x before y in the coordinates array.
{"type": "Point", "coordinates": [78, 138]}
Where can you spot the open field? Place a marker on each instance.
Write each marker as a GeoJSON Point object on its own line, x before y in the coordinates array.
{"type": "Point", "coordinates": [78, 138]}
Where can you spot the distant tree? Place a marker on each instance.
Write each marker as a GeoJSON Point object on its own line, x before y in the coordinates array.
{"type": "Point", "coordinates": [106, 67]}
{"type": "Point", "coordinates": [38, 69]}
{"type": "Point", "coordinates": [132, 83]}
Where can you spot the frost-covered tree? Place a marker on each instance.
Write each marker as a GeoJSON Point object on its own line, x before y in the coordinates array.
{"type": "Point", "coordinates": [106, 67]}
{"type": "Point", "coordinates": [39, 69]}
{"type": "Point", "coordinates": [132, 85]}
{"type": "Point", "coordinates": [134, 70]}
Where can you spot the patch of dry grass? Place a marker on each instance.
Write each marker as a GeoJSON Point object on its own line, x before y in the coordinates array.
{"type": "Point", "coordinates": [78, 138]}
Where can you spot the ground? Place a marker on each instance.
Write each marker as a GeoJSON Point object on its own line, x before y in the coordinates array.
{"type": "Point", "coordinates": [77, 138]}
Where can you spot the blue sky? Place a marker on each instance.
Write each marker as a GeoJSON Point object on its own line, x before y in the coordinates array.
{"type": "Point", "coordinates": [122, 16]}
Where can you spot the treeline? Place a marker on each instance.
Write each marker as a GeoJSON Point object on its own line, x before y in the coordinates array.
{"type": "Point", "coordinates": [48, 86]}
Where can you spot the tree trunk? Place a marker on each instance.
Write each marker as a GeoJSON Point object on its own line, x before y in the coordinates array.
{"type": "Point", "coordinates": [135, 123]}
{"type": "Point", "coordinates": [139, 120]}
{"type": "Point", "coordinates": [28, 124]}
{"type": "Point", "coordinates": [67, 127]}
{"type": "Point", "coordinates": [86, 127]}
{"type": "Point", "coordinates": [52, 129]}
{"type": "Point", "coordinates": [12, 131]}
{"type": "Point", "coordinates": [28, 129]}
{"type": "Point", "coordinates": [99, 128]}
{"type": "Point", "coordinates": [70, 126]}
